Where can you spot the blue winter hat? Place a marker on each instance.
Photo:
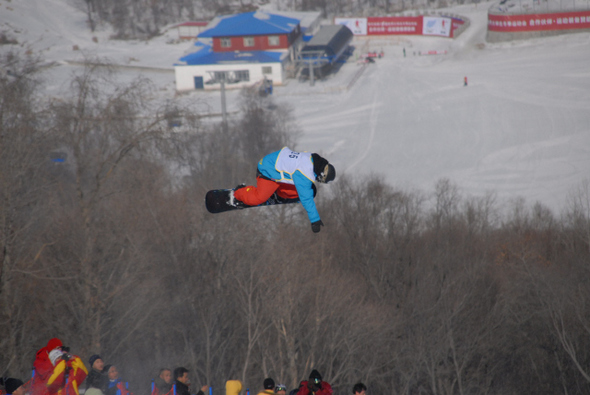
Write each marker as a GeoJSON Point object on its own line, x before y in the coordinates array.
{"type": "Point", "coordinates": [93, 359]}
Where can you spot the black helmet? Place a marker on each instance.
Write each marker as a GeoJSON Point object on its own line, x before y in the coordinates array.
{"type": "Point", "coordinates": [324, 171]}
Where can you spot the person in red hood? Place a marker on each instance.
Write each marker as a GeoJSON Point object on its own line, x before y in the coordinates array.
{"type": "Point", "coordinates": [68, 373]}
{"type": "Point", "coordinates": [43, 367]}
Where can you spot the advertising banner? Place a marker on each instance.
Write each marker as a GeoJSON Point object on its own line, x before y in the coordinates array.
{"type": "Point", "coordinates": [457, 23]}
{"type": "Point", "coordinates": [436, 26]}
{"type": "Point", "coordinates": [394, 25]}
{"type": "Point", "coordinates": [401, 25]}
{"type": "Point", "coordinates": [358, 26]}
{"type": "Point", "coordinates": [539, 22]}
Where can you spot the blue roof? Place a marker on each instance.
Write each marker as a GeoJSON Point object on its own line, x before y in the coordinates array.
{"type": "Point", "coordinates": [250, 24]}
{"type": "Point", "coordinates": [205, 55]}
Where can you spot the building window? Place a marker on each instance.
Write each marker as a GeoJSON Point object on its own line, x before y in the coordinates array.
{"type": "Point", "coordinates": [248, 41]}
{"type": "Point", "coordinates": [274, 41]}
{"type": "Point", "coordinates": [266, 70]}
{"type": "Point", "coordinates": [219, 76]}
{"type": "Point", "coordinates": [229, 77]}
{"type": "Point", "coordinates": [225, 42]}
{"type": "Point", "coordinates": [242, 75]}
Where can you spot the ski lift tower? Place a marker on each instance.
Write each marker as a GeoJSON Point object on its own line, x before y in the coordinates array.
{"type": "Point", "coordinates": [311, 60]}
{"type": "Point", "coordinates": [222, 77]}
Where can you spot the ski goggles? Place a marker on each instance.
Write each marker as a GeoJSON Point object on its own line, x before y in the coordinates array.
{"type": "Point", "coordinates": [281, 387]}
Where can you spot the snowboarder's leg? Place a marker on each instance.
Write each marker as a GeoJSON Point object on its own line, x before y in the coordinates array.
{"type": "Point", "coordinates": [255, 195]}
{"type": "Point", "coordinates": [287, 191]}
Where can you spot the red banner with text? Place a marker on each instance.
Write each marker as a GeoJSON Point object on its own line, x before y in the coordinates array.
{"type": "Point", "coordinates": [539, 22]}
{"type": "Point", "coordinates": [399, 25]}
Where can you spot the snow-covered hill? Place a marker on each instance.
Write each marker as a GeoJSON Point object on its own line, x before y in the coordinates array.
{"type": "Point", "coordinates": [520, 128]}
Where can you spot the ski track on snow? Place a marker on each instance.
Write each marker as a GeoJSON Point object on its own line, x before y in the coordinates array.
{"type": "Point", "coordinates": [373, 122]}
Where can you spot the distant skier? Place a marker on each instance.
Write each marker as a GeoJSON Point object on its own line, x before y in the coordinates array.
{"type": "Point", "coordinates": [291, 175]}
{"type": "Point", "coordinates": [465, 81]}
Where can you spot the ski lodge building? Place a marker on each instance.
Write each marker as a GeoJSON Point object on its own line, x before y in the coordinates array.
{"type": "Point", "coordinates": [242, 50]}
{"type": "Point", "coordinates": [190, 30]}
{"type": "Point", "coordinates": [324, 49]}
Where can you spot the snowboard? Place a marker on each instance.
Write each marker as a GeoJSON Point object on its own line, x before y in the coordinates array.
{"type": "Point", "coordinates": [216, 201]}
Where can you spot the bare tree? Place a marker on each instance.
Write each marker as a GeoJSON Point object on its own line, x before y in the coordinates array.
{"type": "Point", "coordinates": [25, 151]}
{"type": "Point", "coordinates": [577, 213]}
{"type": "Point", "coordinates": [103, 132]}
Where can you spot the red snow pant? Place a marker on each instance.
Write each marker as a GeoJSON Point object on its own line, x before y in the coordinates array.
{"type": "Point", "coordinates": [255, 195]}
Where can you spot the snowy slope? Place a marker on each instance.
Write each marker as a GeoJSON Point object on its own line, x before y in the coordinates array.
{"type": "Point", "coordinates": [521, 127]}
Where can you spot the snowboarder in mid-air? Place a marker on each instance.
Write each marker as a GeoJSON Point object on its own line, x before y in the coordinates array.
{"type": "Point", "coordinates": [289, 175]}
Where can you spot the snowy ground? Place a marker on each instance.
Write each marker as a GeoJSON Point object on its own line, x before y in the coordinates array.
{"type": "Point", "coordinates": [520, 128]}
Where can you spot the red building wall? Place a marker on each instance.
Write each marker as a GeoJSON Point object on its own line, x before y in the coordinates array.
{"type": "Point", "coordinates": [260, 44]}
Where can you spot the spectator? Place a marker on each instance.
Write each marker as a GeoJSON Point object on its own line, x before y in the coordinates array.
{"type": "Point", "coordinates": [183, 382]}
{"type": "Point", "coordinates": [233, 387]}
{"type": "Point", "coordinates": [13, 386]}
{"type": "Point", "coordinates": [43, 368]}
{"type": "Point", "coordinates": [112, 379]}
{"type": "Point", "coordinates": [96, 378]}
{"type": "Point", "coordinates": [68, 373]}
{"type": "Point", "coordinates": [163, 383]}
{"type": "Point", "coordinates": [359, 389]}
{"type": "Point", "coordinates": [93, 387]}
{"type": "Point", "coordinates": [269, 386]}
{"type": "Point", "coordinates": [115, 386]}
{"type": "Point", "coordinates": [281, 389]}
{"type": "Point", "coordinates": [315, 385]}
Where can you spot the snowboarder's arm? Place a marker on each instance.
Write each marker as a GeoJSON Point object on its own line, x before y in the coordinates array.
{"type": "Point", "coordinates": [305, 192]}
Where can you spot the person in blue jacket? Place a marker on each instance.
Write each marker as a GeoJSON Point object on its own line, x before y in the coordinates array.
{"type": "Point", "coordinates": [291, 175]}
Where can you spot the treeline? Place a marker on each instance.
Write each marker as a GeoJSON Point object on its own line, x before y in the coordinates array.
{"type": "Point", "coordinates": [105, 243]}
{"type": "Point", "coordinates": [131, 19]}
{"type": "Point", "coordinates": [141, 19]}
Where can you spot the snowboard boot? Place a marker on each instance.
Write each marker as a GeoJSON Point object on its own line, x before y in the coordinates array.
{"type": "Point", "coordinates": [232, 201]}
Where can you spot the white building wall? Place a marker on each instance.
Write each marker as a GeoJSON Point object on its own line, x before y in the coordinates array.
{"type": "Point", "coordinates": [190, 31]}
{"type": "Point", "coordinates": [185, 75]}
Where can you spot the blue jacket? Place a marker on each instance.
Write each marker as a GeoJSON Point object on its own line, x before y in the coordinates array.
{"type": "Point", "coordinates": [291, 167]}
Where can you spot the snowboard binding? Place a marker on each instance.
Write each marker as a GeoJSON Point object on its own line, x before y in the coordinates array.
{"type": "Point", "coordinates": [232, 201]}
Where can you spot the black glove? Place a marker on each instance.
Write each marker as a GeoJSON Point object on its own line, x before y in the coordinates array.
{"type": "Point", "coordinates": [315, 226]}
